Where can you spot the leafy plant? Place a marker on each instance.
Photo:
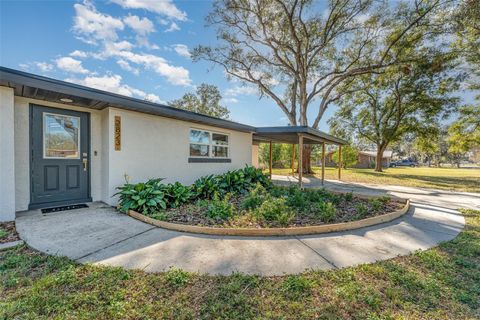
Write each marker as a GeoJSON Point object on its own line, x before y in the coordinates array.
{"type": "Point", "coordinates": [275, 209]}
{"type": "Point", "coordinates": [3, 233]}
{"type": "Point", "coordinates": [145, 197]}
{"type": "Point", "coordinates": [177, 277]}
{"type": "Point", "coordinates": [220, 209]}
{"type": "Point", "coordinates": [362, 210]}
{"type": "Point", "coordinates": [348, 196]}
{"type": "Point", "coordinates": [326, 211]}
{"type": "Point", "coordinates": [297, 199]}
{"type": "Point", "coordinates": [376, 204]}
{"type": "Point", "coordinates": [255, 197]}
{"type": "Point", "coordinates": [177, 194]}
{"type": "Point", "coordinates": [385, 199]}
{"type": "Point", "coordinates": [205, 187]}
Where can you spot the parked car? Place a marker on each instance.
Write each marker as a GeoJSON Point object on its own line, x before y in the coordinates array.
{"type": "Point", "coordinates": [404, 163]}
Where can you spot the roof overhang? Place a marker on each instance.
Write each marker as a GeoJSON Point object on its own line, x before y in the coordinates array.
{"type": "Point", "coordinates": [42, 88]}
{"type": "Point", "coordinates": [290, 134]}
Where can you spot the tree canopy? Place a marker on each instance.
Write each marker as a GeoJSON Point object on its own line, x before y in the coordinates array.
{"type": "Point", "coordinates": [206, 100]}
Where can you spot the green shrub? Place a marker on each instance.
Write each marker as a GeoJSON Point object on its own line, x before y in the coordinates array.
{"type": "Point", "coordinates": [376, 204]}
{"type": "Point", "coordinates": [348, 196]}
{"type": "Point", "coordinates": [177, 194]}
{"type": "Point", "coordinates": [254, 198]}
{"type": "Point", "coordinates": [362, 210]}
{"type": "Point", "coordinates": [220, 209]}
{"type": "Point", "coordinates": [297, 198]}
{"type": "Point", "coordinates": [162, 216]}
{"type": "Point", "coordinates": [177, 277]}
{"type": "Point", "coordinates": [205, 187]}
{"type": "Point", "coordinates": [385, 199]}
{"type": "Point", "coordinates": [146, 198]}
{"type": "Point", "coordinates": [326, 211]}
{"type": "Point", "coordinates": [3, 233]}
{"type": "Point", "coordinates": [275, 210]}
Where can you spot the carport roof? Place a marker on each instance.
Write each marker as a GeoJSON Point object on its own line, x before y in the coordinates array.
{"type": "Point", "coordinates": [290, 134]}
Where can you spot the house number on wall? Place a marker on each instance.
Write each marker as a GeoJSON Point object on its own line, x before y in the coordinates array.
{"type": "Point", "coordinates": [118, 133]}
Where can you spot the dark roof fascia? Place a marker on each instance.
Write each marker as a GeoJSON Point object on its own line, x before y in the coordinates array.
{"type": "Point", "coordinates": [301, 130]}
{"type": "Point", "coordinates": [116, 100]}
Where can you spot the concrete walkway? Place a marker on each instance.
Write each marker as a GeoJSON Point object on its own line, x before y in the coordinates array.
{"type": "Point", "coordinates": [101, 235]}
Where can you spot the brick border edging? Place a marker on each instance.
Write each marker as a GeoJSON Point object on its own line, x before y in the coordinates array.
{"type": "Point", "coordinates": [326, 228]}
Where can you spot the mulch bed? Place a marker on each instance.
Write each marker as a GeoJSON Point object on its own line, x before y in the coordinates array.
{"type": "Point", "coordinates": [194, 214]}
{"type": "Point", "coordinates": [12, 234]}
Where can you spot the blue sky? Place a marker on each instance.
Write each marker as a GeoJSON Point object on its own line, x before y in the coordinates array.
{"type": "Point", "coordinates": [138, 48]}
{"type": "Point", "coordinates": [127, 46]}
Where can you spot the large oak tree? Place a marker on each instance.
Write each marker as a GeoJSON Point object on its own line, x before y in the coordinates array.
{"type": "Point", "coordinates": [298, 54]}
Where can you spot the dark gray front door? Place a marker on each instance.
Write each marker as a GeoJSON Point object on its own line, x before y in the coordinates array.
{"type": "Point", "coordinates": [59, 157]}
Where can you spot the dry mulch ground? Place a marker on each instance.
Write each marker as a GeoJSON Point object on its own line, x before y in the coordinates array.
{"type": "Point", "coordinates": [8, 233]}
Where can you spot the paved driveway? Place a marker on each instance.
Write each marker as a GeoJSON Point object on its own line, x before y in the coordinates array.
{"type": "Point", "coordinates": [101, 235]}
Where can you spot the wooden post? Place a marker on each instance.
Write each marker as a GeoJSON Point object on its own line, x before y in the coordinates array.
{"type": "Point", "coordinates": [340, 162]}
{"type": "Point", "coordinates": [293, 159]}
{"type": "Point", "coordinates": [300, 161]}
{"type": "Point", "coordinates": [323, 162]}
{"type": "Point", "coordinates": [270, 162]}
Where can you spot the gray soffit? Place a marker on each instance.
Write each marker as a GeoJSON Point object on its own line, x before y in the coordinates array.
{"type": "Point", "coordinates": [290, 134]}
{"type": "Point", "coordinates": [43, 88]}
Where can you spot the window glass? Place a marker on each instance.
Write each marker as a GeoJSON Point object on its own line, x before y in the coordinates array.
{"type": "Point", "coordinates": [220, 139]}
{"type": "Point", "coordinates": [197, 136]}
{"type": "Point", "coordinates": [61, 136]}
{"type": "Point", "coordinates": [220, 152]}
{"type": "Point", "coordinates": [199, 150]}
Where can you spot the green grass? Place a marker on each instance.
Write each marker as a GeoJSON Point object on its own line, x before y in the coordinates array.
{"type": "Point", "coordinates": [440, 283]}
{"type": "Point", "coordinates": [423, 177]}
{"type": "Point", "coordinates": [3, 233]}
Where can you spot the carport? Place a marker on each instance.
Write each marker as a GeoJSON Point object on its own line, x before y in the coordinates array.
{"type": "Point", "coordinates": [300, 135]}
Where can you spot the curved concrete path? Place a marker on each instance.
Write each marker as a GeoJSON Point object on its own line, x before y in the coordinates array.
{"type": "Point", "coordinates": [101, 235]}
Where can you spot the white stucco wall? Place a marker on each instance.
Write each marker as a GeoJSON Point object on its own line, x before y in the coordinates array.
{"type": "Point", "coordinates": [159, 147]}
{"type": "Point", "coordinates": [7, 155]}
{"type": "Point", "coordinates": [22, 147]}
{"type": "Point", "coordinates": [152, 147]}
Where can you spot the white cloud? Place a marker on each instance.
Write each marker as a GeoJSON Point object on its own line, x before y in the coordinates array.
{"type": "Point", "coordinates": [126, 66]}
{"type": "Point", "coordinates": [71, 65]}
{"type": "Point", "coordinates": [162, 7]}
{"type": "Point", "coordinates": [143, 42]}
{"type": "Point", "coordinates": [174, 75]}
{"type": "Point", "coordinates": [92, 25]}
{"type": "Point", "coordinates": [181, 50]}
{"type": "Point", "coordinates": [44, 66]}
{"type": "Point", "coordinates": [230, 100]}
{"type": "Point", "coordinates": [141, 26]}
{"type": "Point", "coordinates": [241, 90]}
{"type": "Point", "coordinates": [173, 27]}
{"type": "Point", "coordinates": [78, 54]}
{"type": "Point", "coordinates": [113, 83]}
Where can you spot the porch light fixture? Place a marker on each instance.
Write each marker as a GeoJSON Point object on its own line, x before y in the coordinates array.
{"type": "Point", "coordinates": [66, 100]}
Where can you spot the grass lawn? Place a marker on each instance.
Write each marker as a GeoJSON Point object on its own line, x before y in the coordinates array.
{"type": "Point", "coordinates": [440, 283]}
{"type": "Point", "coordinates": [424, 177]}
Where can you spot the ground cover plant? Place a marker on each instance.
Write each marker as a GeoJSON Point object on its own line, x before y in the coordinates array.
{"type": "Point", "coordinates": [439, 283]}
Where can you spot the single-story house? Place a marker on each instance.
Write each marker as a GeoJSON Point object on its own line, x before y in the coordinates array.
{"type": "Point", "coordinates": [62, 143]}
{"type": "Point", "coordinates": [366, 159]}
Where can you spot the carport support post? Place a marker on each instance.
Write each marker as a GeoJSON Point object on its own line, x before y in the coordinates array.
{"type": "Point", "coordinates": [323, 162]}
{"type": "Point", "coordinates": [270, 161]}
{"type": "Point", "coordinates": [293, 160]}
{"type": "Point", "coordinates": [300, 161]}
{"type": "Point", "coordinates": [340, 162]}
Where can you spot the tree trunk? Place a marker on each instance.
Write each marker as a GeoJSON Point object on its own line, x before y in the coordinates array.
{"type": "Point", "coordinates": [378, 160]}
{"type": "Point", "coordinates": [307, 166]}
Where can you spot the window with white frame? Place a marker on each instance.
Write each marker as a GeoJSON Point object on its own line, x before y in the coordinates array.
{"type": "Point", "coordinates": [206, 144]}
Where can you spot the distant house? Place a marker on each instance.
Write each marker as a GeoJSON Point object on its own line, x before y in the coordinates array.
{"type": "Point", "coordinates": [366, 159]}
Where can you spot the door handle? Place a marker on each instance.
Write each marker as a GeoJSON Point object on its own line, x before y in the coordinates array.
{"type": "Point", "coordinates": [85, 164]}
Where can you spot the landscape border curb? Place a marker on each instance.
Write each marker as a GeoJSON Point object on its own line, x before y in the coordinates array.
{"type": "Point", "coordinates": [265, 232]}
